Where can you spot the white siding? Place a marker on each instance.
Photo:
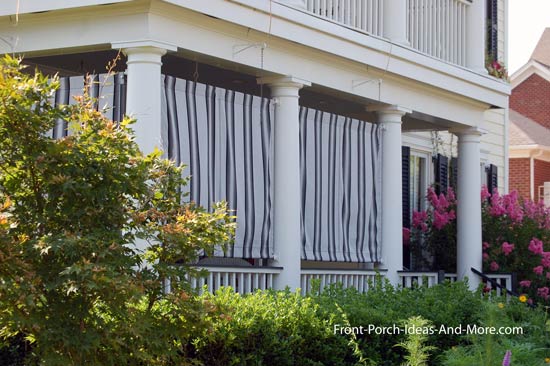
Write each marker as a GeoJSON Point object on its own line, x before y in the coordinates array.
{"type": "Point", "coordinates": [502, 31]}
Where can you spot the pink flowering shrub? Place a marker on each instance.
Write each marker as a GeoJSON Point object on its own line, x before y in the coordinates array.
{"type": "Point", "coordinates": [433, 233]}
{"type": "Point", "coordinates": [516, 238]}
{"type": "Point", "coordinates": [516, 234]}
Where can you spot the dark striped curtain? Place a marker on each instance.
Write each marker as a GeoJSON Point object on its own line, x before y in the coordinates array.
{"type": "Point", "coordinates": [341, 181]}
{"type": "Point", "coordinates": [224, 139]}
{"type": "Point", "coordinates": [108, 91]}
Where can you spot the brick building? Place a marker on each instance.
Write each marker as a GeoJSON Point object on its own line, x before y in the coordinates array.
{"type": "Point", "coordinates": [530, 124]}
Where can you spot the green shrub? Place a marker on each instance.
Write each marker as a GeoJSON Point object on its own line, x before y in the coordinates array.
{"type": "Point", "coordinates": [449, 304]}
{"type": "Point", "coordinates": [72, 279]}
{"type": "Point", "coordinates": [270, 328]}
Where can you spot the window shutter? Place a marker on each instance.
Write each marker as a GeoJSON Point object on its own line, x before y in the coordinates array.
{"type": "Point", "coordinates": [453, 172]}
{"type": "Point", "coordinates": [441, 173]}
{"type": "Point", "coordinates": [119, 98]}
{"type": "Point", "coordinates": [492, 29]}
{"type": "Point", "coordinates": [492, 177]}
{"type": "Point", "coordinates": [405, 172]}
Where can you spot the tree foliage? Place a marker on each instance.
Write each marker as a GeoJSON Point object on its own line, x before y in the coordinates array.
{"type": "Point", "coordinates": [90, 231]}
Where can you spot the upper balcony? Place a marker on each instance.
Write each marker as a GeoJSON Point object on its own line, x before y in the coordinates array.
{"type": "Point", "coordinates": [426, 55]}
{"type": "Point", "coordinates": [434, 27]}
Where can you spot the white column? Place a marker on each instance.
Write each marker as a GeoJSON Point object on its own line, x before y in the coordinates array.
{"type": "Point", "coordinates": [390, 119]}
{"type": "Point", "coordinates": [475, 37]}
{"type": "Point", "coordinates": [469, 252]}
{"type": "Point", "coordinates": [395, 21]}
{"type": "Point", "coordinates": [286, 182]}
{"type": "Point", "coordinates": [143, 95]}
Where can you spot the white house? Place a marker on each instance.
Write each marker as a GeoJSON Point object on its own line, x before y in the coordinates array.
{"type": "Point", "coordinates": [295, 111]}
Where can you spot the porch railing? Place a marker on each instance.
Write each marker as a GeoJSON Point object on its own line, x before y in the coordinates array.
{"type": "Point", "coordinates": [365, 15]}
{"type": "Point", "coordinates": [411, 279]}
{"type": "Point", "coordinates": [361, 280]}
{"type": "Point", "coordinates": [504, 280]}
{"type": "Point", "coordinates": [243, 280]}
{"type": "Point", "coordinates": [438, 28]}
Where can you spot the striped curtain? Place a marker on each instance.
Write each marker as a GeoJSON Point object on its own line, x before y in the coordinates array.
{"type": "Point", "coordinates": [108, 91]}
{"type": "Point", "coordinates": [340, 164]}
{"type": "Point", "coordinates": [224, 138]}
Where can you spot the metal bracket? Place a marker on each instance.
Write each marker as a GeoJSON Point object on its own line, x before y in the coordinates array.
{"type": "Point", "coordinates": [358, 83]}
{"type": "Point", "coordinates": [243, 47]}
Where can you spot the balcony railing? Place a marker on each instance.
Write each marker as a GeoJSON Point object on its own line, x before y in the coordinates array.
{"type": "Point", "coordinates": [438, 28]}
{"type": "Point", "coordinates": [435, 27]}
{"type": "Point", "coordinates": [365, 15]}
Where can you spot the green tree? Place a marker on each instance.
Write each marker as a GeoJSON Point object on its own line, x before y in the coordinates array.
{"type": "Point", "coordinates": [72, 279]}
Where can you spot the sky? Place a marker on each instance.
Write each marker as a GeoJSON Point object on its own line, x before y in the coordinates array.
{"type": "Point", "coordinates": [527, 20]}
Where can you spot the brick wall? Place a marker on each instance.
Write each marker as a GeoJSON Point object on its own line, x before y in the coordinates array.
{"type": "Point", "coordinates": [542, 174]}
{"type": "Point", "coordinates": [532, 99]}
{"type": "Point", "coordinates": [520, 177]}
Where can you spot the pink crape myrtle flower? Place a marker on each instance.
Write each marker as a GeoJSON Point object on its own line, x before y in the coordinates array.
{"type": "Point", "coordinates": [432, 197]}
{"type": "Point", "coordinates": [535, 246]}
{"type": "Point", "coordinates": [485, 193]}
{"type": "Point", "coordinates": [451, 197]}
{"type": "Point", "coordinates": [485, 257]}
{"type": "Point", "coordinates": [441, 219]}
{"type": "Point", "coordinates": [494, 266]}
{"type": "Point", "coordinates": [497, 206]}
{"type": "Point", "coordinates": [545, 261]}
{"type": "Point", "coordinates": [507, 248]}
{"type": "Point", "coordinates": [525, 283]}
{"type": "Point", "coordinates": [544, 292]}
{"type": "Point", "coordinates": [538, 270]}
{"type": "Point", "coordinates": [419, 217]}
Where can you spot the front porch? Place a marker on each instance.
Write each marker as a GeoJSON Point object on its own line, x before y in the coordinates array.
{"type": "Point", "coordinates": [309, 177]}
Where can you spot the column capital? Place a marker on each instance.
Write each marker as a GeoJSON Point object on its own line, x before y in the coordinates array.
{"type": "Point", "coordinates": [144, 46]}
{"type": "Point", "coordinates": [469, 132]}
{"type": "Point", "coordinates": [389, 113]}
{"type": "Point", "coordinates": [285, 81]}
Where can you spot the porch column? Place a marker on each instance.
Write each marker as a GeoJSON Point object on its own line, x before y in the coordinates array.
{"type": "Point", "coordinates": [390, 119]}
{"type": "Point", "coordinates": [469, 253]}
{"type": "Point", "coordinates": [143, 96]}
{"type": "Point", "coordinates": [475, 36]}
{"type": "Point", "coordinates": [395, 21]}
{"type": "Point", "coordinates": [286, 182]}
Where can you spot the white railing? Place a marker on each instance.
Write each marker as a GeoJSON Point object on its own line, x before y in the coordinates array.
{"type": "Point", "coordinates": [361, 280]}
{"type": "Point", "coordinates": [412, 279]}
{"type": "Point", "coordinates": [438, 28]}
{"type": "Point", "coordinates": [503, 279]}
{"type": "Point", "coordinates": [451, 277]}
{"type": "Point", "coordinates": [366, 15]}
{"type": "Point", "coordinates": [243, 280]}
{"type": "Point", "coordinates": [421, 278]}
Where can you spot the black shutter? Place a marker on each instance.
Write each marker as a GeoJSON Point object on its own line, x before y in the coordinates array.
{"type": "Point", "coordinates": [453, 173]}
{"type": "Point", "coordinates": [492, 29]}
{"type": "Point", "coordinates": [405, 174]}
{"type": "Point", "coordinates": [441, 173]}
{"type": "Point", "coordinates": [119, 97]}
{"type": "Point", "coordinates": [492, 178]}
